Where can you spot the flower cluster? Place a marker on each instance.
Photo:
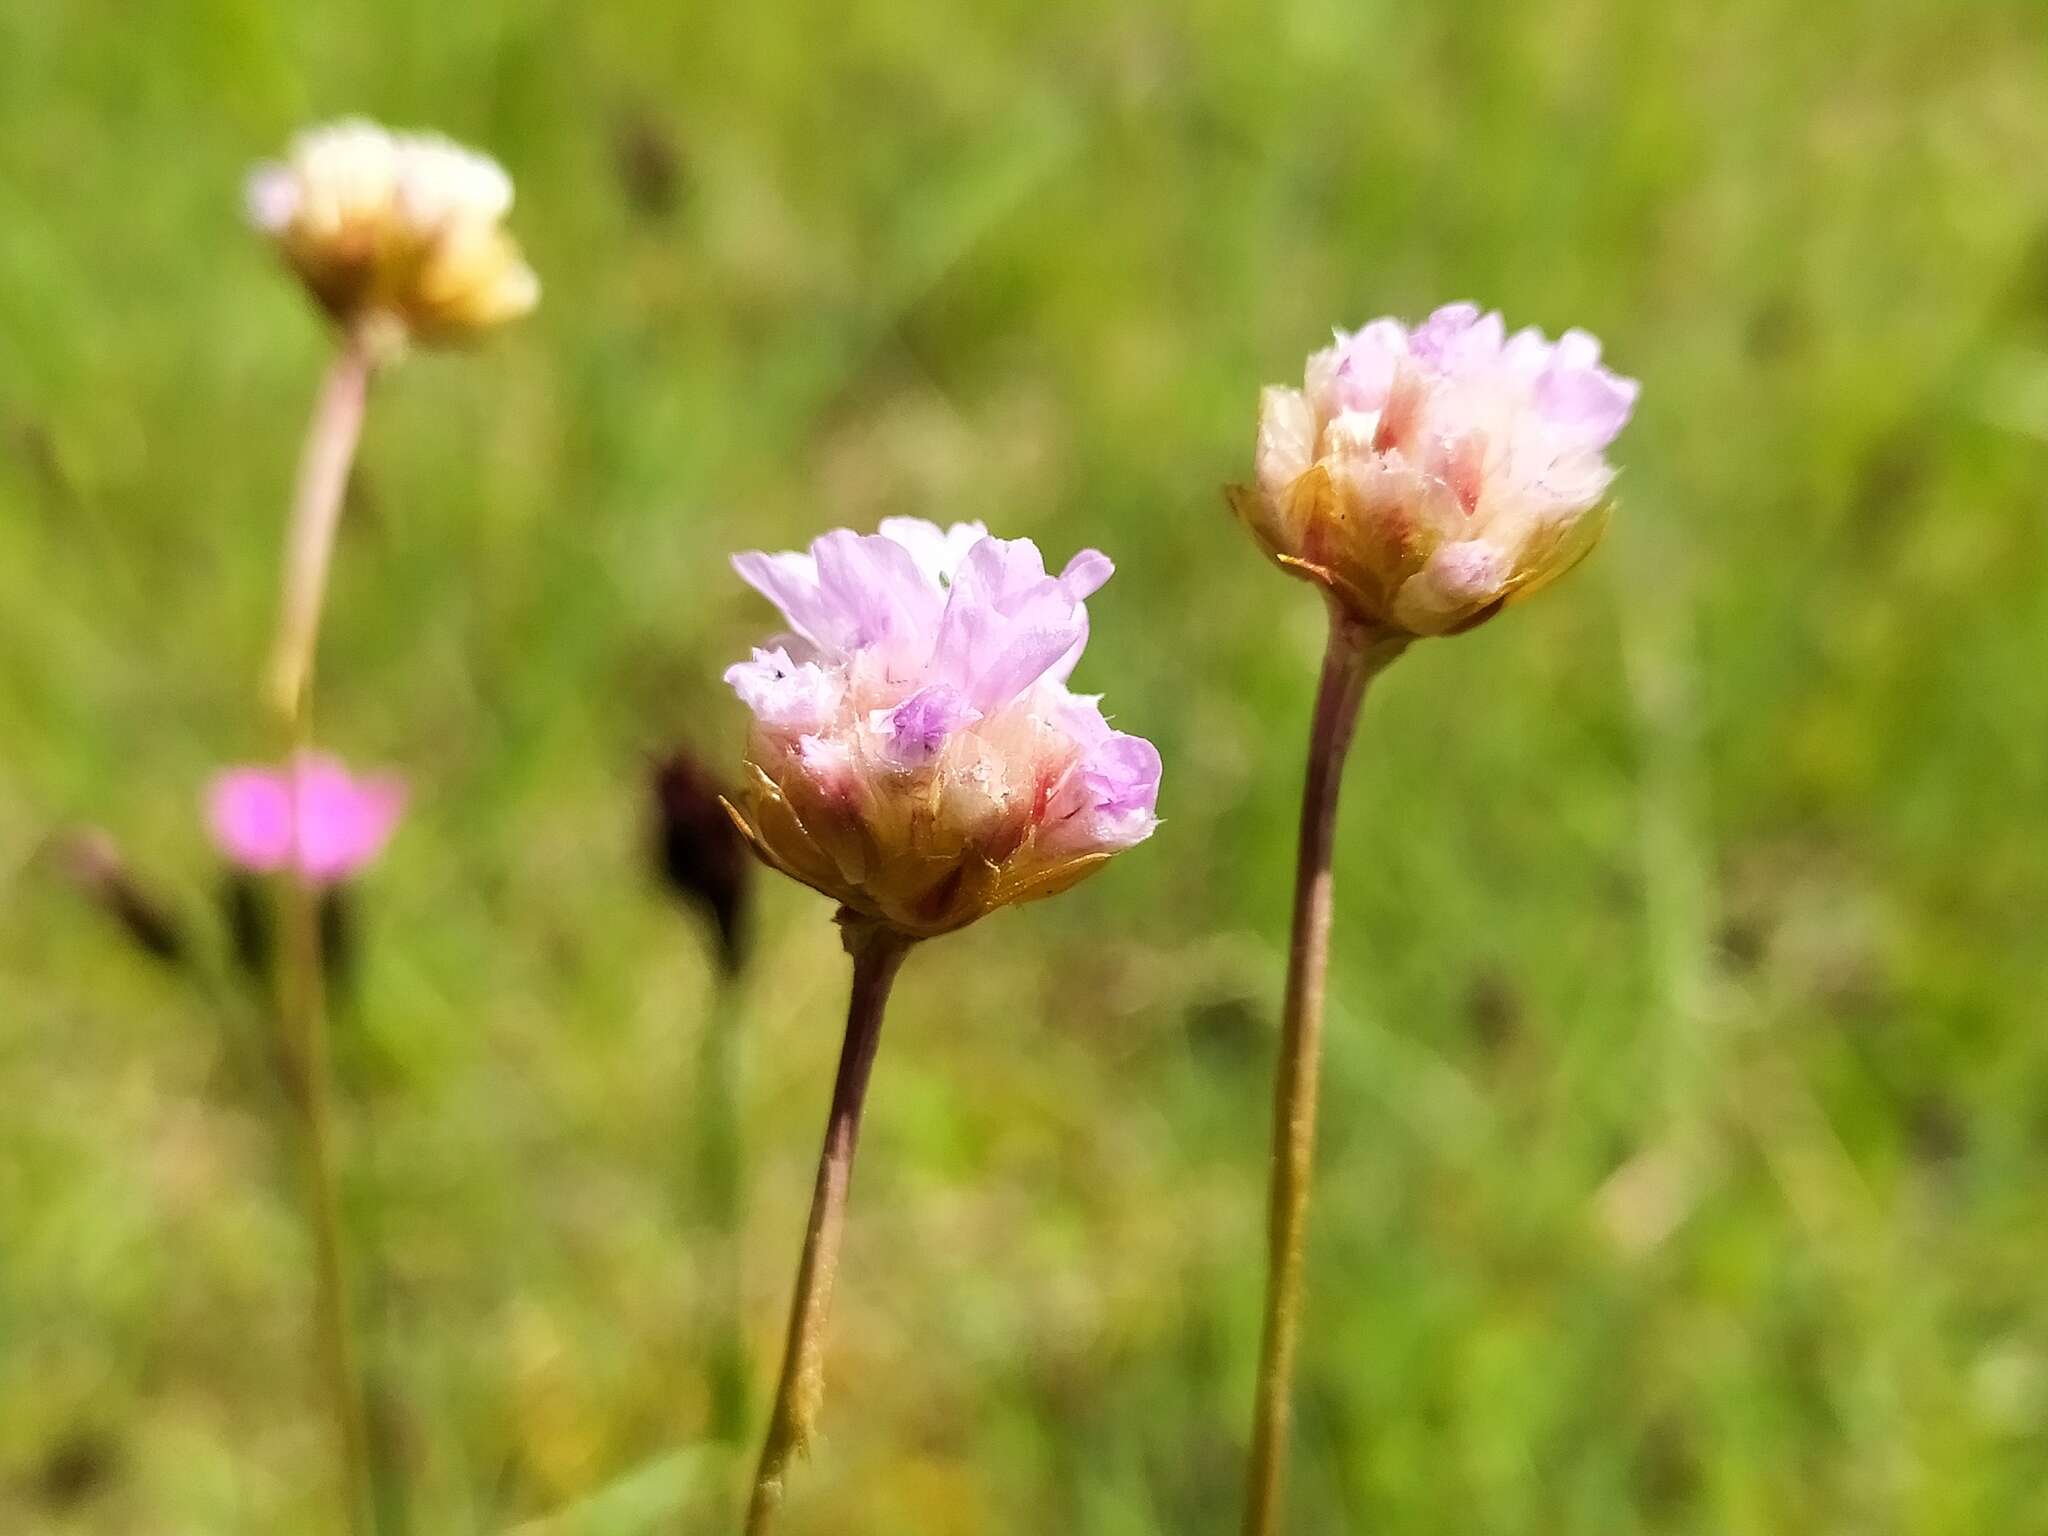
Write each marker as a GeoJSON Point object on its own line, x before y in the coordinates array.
{"type": "Point", "coordinates": [916, 753]}
{"type": "Point", "coordinates": [1426, 477]}
{"type": "Point", "coordinates": [402, 229]}
{"type": "Point", "coordinates": [313, 814]}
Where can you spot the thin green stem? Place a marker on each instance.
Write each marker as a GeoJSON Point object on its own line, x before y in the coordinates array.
{"type": "Point", "coordinates": [800, 1394]}
{"type": "Point", "coordinates": [1353, 658]}
{"type": "Point", "coordinates": [718, 1186]}
{"type": "Point", "coordinates": [383, 1415]}
{"type": "Point", "coordinates": [302, 1005]}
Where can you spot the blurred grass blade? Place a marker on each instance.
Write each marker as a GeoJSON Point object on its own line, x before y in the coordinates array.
{"type": "Point", "coordinates": [644, 1500]}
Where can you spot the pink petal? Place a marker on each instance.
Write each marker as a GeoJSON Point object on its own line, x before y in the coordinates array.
{"type": "Point", "coordinates": [249, 813]}
{"type": "Point", "coordinates": [338, 824]}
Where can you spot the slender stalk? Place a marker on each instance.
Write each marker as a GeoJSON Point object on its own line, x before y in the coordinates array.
{"type": "Point", "coordinates": [877, 953]}
{"type": "Point", "coordinates": [1353, 659]}
{"type": "Point", "coordinates": [718, 1187]}
{"type": "Point", "coordinates": [303, 1009]}
{"type": "Point", "coordinates": [302, 1004]}
{"type": "Point", "coordinates": [316, 513]}
{"type": "Point", "coordinates": [383, 1421]}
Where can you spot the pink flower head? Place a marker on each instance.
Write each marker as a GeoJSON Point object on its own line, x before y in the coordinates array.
{"type": "Point", "coordinates": [916, 752]}
{"type": "Point", "coordinates": [1426, 477]}
{"type": "Point", "coordinates": [337, 823]}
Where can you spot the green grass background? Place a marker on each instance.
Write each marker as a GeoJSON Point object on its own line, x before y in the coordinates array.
{"type": "Point", "coordinates": [1686, 1155]}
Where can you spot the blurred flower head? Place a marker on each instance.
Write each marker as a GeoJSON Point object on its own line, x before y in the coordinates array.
{"type": "Point", "coordinates": [1425, 477]}
{"type": "Point", "coordinates": [399, 229]}
{"type": "Point", "coordinates": [916, 753]}
{"type": "Point", "coordinates": [313, 814]}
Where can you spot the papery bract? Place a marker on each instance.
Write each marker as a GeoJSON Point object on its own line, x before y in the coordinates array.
{"type": "Point", "coordinates": [336, 823]}
{"type": "Point", "coordinates": [916, 753]}
{"type": "Point", "coordinates": [400, 228]}
{"type": "Point", "coordinates": [1426, 477]}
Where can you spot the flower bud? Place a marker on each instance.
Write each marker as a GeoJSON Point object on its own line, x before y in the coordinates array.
{"type": "Point", "coordinates": [700, 853]}
{"type": "Point", "coordinates": [1425, 478]}
{"type": "Point", "coordinates": [916, 753]}
{"type": "Point", "coordinates": [399, 231]}
{"type": "Point", "coordinates": [93, 863]}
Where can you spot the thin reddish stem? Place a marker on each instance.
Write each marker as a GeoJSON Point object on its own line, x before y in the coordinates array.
{"type": "Point", "coordinates": [877, 954]}
{"type": "Point", "coordinates": [1352, 660]}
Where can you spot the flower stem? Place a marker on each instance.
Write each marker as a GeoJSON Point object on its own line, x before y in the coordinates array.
{"type": "Point", "coordinates": [302, 1004]}
{"type": "Point", "coordinates": [1353, 659]}
{"type": "Point", "coordinates": [719, 1179]}
{"type": "Point", "coordinates": [316, 513]}
{"type": "Point", "coordinates": [877, 953]}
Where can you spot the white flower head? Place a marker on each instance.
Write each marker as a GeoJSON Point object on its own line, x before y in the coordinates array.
{"type": "Point", "coordinates": [402, 228]}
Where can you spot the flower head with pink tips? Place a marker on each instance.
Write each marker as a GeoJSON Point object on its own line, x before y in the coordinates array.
{"type": "Point", "coordinates": [1425, 477]}
{"type": "Point", "coordinates": [916, 752]}
{"type": "Point", "coordinates": [312, 814]}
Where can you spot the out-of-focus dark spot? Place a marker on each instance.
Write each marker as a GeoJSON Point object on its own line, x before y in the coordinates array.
{"type": "Point", "coordinates": [1936, 1132]}
{"type": "Point", "coordinates": [1667, 1465]}
{"type": "Point", "coordinates": [32, 443]}
{"type": "Point", "coordinates": [1798, 1343]}
{"type": "Point", "coordinates": [1494, 1008]}
{"type": "Point", "coordinates": [78, 1466]}
{"type": "Point", "coordinates": [1888, 480]}
{"type": "Point", "coordinates": [1064, 1383]}
{"type": "Point", "coordinates": [1777, 328]}
{"type": "Point", "coordinates": [699, 853]}
{"type": "Point", "coordinates": [245, 911]}
{"type": "Point", "coordinates": [1742, 942]}
{"type": "Point", "coordinates": [1621, 887]}
{"type": "Point", "coordinates": [649, 164]}
{"type": "Point", "coordinates": [1849, 982]}
{"type": "Point", "coordinates": [1617, 1150]}
{"type": "Point", "coordinates": [396, 1447]}
{"type": "Point", "coordinates": [1227, 1031]}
